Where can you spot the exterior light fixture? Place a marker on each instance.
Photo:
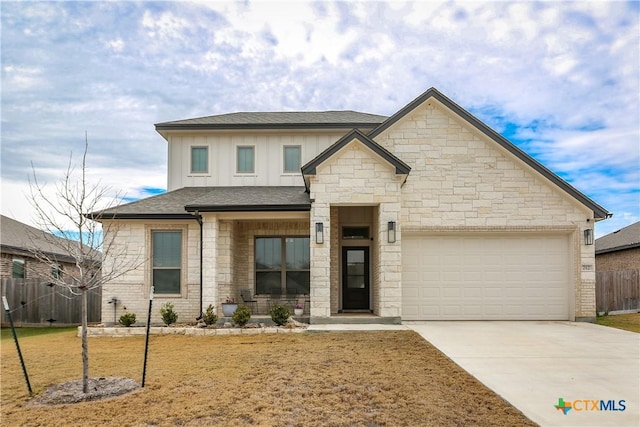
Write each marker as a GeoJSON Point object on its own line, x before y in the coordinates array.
{"type": "Point", "coordinates": [319, 233]}
{"type": "Point", "coordinates": [391, 232]}
{"type": "Point", "coordinates": [588, 236]}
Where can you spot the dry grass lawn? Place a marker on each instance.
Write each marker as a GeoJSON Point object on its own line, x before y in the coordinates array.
{"type": "Point", "coordinates": [628, 322]}
{"type": "Point", "coordinates": [321, 379]}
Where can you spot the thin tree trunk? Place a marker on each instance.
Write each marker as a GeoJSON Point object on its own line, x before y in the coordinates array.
{"type": "Point", "coordinates": [85, 345]}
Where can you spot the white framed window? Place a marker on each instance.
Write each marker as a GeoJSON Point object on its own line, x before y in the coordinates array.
{"type": "Point", "coordinates": [199, 159]}
{"type": "Point", "coordinates": [245, 159]}
{"type": "Point", "coordinates": [292, 155]}
{"type": "Point", "coordinates": [166, 261]}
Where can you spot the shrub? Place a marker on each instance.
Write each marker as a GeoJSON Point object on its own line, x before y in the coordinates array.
{"type": "Point", "coordinates": [280, 314]}
{"type": "Point", "coordinates": [127, 319]}
{"type": "Point", "coordinates": [209, 317]}
{"type": "Point", "coordinates": [168, 315]}
{"type": "Point", "coordinates": [242, 315]}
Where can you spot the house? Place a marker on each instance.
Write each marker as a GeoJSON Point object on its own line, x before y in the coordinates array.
{"type": "Point", "coordinates": [17, 260]}
{"type": "Point", "coordinates": [427, 214]}
{"type": "Point", "coordinates": [618, 270]}
{"type": "Point", "coordinates": [27, 279]}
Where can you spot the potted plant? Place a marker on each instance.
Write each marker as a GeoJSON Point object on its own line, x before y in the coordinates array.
{"type": "Point", "coordinates": [229, 307]}
{"type": "Point", "coordinates": [298, 310]}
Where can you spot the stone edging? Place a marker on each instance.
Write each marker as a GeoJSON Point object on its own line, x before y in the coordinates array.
{"type": "Point", "coordinates": [191, 331]}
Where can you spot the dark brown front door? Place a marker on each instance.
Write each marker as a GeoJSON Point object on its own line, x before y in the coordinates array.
{"type": "Point", "coordinates": [355, 278]}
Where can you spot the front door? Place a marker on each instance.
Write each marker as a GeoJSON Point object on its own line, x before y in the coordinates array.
{"type": "Point", "coordinates": [355, 278]}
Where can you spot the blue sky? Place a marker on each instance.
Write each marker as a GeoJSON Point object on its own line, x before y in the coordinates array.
{"type": "Point", "coordinates": [559, 79]}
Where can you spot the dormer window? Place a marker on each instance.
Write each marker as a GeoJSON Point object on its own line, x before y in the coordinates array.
{"type": "Point", "coordinates": [199, 159]}
{"type": "Point", "coordinates": [245, 159]}
{"type": "Point", "coordinates": [292, 158]}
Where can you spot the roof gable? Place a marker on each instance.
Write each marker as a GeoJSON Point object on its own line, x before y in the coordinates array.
{"type": "Point", "coordinates": [401, 167]}
{"type": "Point", "coordinates": [432, 93]}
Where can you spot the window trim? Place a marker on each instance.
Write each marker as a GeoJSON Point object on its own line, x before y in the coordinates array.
{"type": "Point", "coordinates": [149, 230]}
{"type": "Point", "coordinates": [15, 261]}
{"type": "Point", "coordinates": [57, 271]}
{"type": "Point", "coordinates": [284, 159]}
{"type": "Point", "coordinates": [283, 261]}
{"type": "Point", "coordinates": [191, 171]}
{"type": "Point", "coordinates": [253, 159]}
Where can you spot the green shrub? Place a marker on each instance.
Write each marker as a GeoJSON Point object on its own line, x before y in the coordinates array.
{"type": "Point", "coordinates": [127, 319]}
{"type": "Point", "coordinates": [168, 315]}
{"type": "Point", "coordinates": [242, 315]}
{"type": "Point", "coordinates": [210, 317]}
{"type": "Point", "coordinates": [280, 314]}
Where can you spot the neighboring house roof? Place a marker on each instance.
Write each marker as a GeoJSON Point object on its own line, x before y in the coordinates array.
{"type": "Point", "coordinates": [21, 239]}
{"type": "Point", "coordinates": [598, 211]}
{"type": "Point", "coordinates": [401, 167]}
{"type": "Point", "coordinates": [278, 120]}
{"type": "Point", "coordinates": [178, 203]}
{"type": "Point", "coordinates": [625, 238]}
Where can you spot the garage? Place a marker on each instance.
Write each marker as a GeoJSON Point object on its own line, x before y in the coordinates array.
{"type": "Point", "coordinates": [523, 276]}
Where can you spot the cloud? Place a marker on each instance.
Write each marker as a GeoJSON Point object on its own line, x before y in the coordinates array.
{"type": "Point", "coordinates": [558, 78]}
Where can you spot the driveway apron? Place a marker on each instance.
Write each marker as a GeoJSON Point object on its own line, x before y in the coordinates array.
{"type": "Point", "coordinates": [537, 366]}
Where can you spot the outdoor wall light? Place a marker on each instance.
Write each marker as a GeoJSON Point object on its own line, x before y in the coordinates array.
{"type": "Point", "coordinates": [391, 232]}
{"type": "Point", "coordinates": [588, 236]}
{"type": "Point", "coordinates": [319, 233]}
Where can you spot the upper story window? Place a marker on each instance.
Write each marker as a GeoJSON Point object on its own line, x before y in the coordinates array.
{"type": "Point", "coordinates": [199, 159]}
{"type": "Point", "coordinates": [167, 261]}
{"type": "Point", "coordinates": [292, 158]}
{"type": "Point", "coordinates": [245, 159]}
{"type": "Point", "coordinates": [18, 271]}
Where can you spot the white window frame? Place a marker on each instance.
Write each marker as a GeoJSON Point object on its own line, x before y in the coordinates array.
{"type": "Point", "coordinates": [253, 150]}
{"type": "Point", "coordinates": [149, 229]}
{"type": "Point", "coordinates": [191, 171]}
{"type": "Point", "coordinates": [284, 159]}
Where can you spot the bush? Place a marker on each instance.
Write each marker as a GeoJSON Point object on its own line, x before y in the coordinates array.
{"type": "Point", "coordinates": [242, 315]}
{"type": "Point", "coordinates": [280, 314]}
{"type": "Point", "coordinates": [127, 319]}
{"type": "Point", "coordinates": [168, 315]}
{"type": "Point", "coordinates": [210, 317]}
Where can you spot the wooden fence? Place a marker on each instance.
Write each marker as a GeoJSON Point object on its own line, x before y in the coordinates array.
{"type": "Point", "coordinates": [33, 302]}
{"type": "Point", "coordinates": [617, 291]}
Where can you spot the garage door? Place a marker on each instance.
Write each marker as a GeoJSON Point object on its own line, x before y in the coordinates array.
{"type": "Point", "coordinates": [482, 277]}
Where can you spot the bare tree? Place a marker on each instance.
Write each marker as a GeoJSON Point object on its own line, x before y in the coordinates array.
{"type": "Point", "coordinates": [67, 219]}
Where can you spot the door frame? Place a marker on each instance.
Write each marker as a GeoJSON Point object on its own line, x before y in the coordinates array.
{"type": "Point", "coordinates": [343, 278]}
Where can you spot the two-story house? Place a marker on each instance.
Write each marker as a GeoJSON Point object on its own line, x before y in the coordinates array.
{"type": "Point", "coordinates": [427, 214]}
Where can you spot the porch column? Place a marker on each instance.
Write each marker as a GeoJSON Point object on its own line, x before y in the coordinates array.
{"type": "Point", "coordinates": [320, 262]}
{"type": "Point", "coordinates": [210, 231]}
{"type": "Point", "coordinates": [390, 259]}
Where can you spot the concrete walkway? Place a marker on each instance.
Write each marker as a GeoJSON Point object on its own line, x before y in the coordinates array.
{"type": "Point", "coordinates": [533, 364]}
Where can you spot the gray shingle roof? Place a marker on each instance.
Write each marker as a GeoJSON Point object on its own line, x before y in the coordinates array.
{"type": "Point", "coordinates": [178, 203]}
{"type": "Point", "coordinates": [293, 119]}
{"type": "Point", "coordinates": [19, 238]}
{"type": "Point", "coordinates": [625, 238]}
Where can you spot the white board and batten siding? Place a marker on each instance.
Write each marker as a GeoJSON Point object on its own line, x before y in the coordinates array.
{"type": "Point", "coordinates": [523, 276]}
{"type": "Point", "coordinates": [222, 149]}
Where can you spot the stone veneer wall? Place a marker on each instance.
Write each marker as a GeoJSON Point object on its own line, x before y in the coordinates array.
{"type": "Point", "coordinates": [461, 180]}
{"type": "Point", "coordinates": [132, 289]}
{"type": "Point", "coordinates": [355, 176]}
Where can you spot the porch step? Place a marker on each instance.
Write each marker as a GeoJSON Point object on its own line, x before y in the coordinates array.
{"type": "Point", "coordinates": [355, 319]}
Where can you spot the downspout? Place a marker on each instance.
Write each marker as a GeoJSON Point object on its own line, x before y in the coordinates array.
{"type": "Point", "coordinates": [198, 218]}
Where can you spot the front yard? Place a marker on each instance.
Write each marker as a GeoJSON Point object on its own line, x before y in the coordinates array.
{"type": "Point", "coordinates": [369, 378]}
{"type": "Point", "coordinates": [628, 322]}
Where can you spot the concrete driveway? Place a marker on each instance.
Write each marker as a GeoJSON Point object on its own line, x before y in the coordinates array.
{"type": "Point", "coordinates": [534, 364]}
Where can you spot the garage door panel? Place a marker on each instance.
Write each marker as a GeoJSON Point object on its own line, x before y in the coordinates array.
{"type": "Point", "coordinates": [495, 277]}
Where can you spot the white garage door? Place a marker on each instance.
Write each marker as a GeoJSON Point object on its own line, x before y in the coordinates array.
{"type": "Point", "coordinates": [485, 277]}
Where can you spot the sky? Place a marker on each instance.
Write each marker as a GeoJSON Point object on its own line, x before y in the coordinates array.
{"type": "Point", "coordinates": [558, 79]}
